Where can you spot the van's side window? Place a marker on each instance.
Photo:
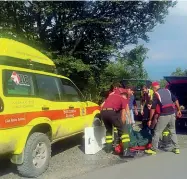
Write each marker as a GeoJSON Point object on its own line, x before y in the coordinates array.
{"type": "Point", "coordinates": [48, 87]}
{"type": "Point", "coordinates": [18, 83]}
{"type": "Point", "coordinates": [71, 92]}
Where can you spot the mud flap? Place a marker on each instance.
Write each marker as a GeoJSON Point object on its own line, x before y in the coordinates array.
{"type": "Point", "coordinates": [17, 159]}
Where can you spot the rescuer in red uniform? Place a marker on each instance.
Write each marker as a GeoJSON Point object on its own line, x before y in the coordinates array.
{"type": "Point", "coordinates": [166, 101]}
{"type": "Point", "coordinates": [115, 88]}
{"type": "Point", "coordinates": [113, 113]}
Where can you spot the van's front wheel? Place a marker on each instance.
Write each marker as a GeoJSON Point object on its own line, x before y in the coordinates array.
{"type": "Point", "coordinates": [37, 154]}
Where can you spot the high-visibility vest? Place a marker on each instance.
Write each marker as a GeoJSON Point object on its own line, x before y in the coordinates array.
{"type": "Point", "coordinates": [150, 94]}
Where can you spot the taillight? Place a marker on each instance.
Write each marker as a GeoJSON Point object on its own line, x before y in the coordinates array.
{"type": "Point", "coordinates": [1, 105]}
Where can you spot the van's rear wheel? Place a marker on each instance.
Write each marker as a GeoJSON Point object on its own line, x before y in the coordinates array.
{"type": "Point", "coordinates": [36, 155]}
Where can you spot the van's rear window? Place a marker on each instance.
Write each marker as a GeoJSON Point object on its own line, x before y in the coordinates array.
{"type": "Point", "coordinates": [18, 83]}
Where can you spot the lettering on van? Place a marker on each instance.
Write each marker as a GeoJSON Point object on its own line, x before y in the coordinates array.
{"type": "Point", "coordinates": [23, 104]}
{"type": "Point", "coordinates": [20, 79]}
{"type": "Point", "coordinates": [69, 113]}
{"type": "Point", "coordinates": [14, 120]}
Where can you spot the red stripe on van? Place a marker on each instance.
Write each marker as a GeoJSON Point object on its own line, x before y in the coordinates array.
{"type": "Point", "coordinates": [21, 119]}
{"type": "Point", "coordinates": [90, 110]}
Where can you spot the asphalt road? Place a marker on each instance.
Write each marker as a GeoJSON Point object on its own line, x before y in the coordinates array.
{"type": "Point", "coordinates": [68, 160]}
{"type": "Point", "coordinates": [162, 166]}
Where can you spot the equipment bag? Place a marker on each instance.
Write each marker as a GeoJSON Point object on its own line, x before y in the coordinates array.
{"type": "Point", "coordinates": [139, 141]}
{"type": "Point", "coordinates": [141, 138]}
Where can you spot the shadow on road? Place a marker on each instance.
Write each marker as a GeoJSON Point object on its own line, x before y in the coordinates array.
{"type": "Point", "coordinates": [6, 167]}
{"type": "Point", "coordinates": [66, 144]}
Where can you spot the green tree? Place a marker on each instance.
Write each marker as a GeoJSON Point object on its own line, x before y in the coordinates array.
{"type": "Point", "coordinates": [81, 36]}
{"type": "Point", "coordinates": [135, 62]}
{"type": "Point", "coordinates": [128, 66]}
{"type": "Point", "coordinates": [179, 72]}
{"type": "Point", "coordinates": [163, 83]}
{"type": "Point", "coordinates": [90, 31]}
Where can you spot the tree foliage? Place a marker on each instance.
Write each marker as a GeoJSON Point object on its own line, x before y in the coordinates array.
{"type": "Point", "coordinates": [163, 83]}
{"type": "Point", "coordinates": [179, 72]}
{"type": "Point", "coordinates": [81, 36]}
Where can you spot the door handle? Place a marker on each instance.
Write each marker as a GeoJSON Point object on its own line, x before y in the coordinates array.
{"type": "Point", "coordinates": [71, 107]}
{"type": "Point", "coordinates": [45, 108]}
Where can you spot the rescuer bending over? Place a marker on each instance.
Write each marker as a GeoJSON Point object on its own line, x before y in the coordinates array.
{"type": "Point", "coordinates": [113, 113]}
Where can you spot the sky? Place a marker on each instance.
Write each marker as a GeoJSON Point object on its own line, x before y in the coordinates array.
{"type": "Point", "coordinates": [168, 44]}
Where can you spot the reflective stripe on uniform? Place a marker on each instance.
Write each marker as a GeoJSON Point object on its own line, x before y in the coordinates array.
{"type": "Point", "coordinates": [125, 136]}
{"type": "Point", "coordinates": [115, 129]}
{"type": "Point", "coordinates": [125, 140]}
{"type": "Point", "coordinates": [166, 133]}
{"type": "Point", "coordinates": [109, 139]}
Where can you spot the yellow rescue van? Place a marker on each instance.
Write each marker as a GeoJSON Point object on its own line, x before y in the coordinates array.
{"type": "Point", "coordinates": [37, 107]}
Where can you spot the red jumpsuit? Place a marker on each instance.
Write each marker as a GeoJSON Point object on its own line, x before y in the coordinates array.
{"type": "Point", "coordinates": [111, 116]}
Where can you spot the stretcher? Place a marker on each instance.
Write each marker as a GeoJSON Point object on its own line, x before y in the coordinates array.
{"type": "Point", "coordinates": [119, 148]}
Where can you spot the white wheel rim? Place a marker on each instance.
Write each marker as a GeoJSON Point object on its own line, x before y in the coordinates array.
{"type": "Point", "coordinates": [39, 155]}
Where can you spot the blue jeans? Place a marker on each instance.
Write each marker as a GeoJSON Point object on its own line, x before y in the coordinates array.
{"type": "Point", "coordinates": [132, 116]}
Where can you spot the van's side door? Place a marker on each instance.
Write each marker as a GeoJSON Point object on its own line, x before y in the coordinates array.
{"type": "Point", "coordinates": [74, 98]}
{"type": "Point", "coordinates": [53, 105]}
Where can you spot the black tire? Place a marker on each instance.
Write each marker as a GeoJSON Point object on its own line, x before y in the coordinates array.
{"type": "Point", "coordinates": [28, 169]}
{"type": "Point", "coordinates": [97, 122]}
